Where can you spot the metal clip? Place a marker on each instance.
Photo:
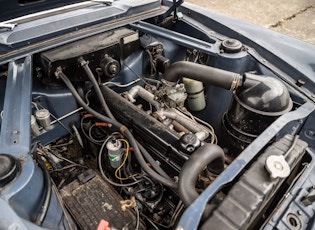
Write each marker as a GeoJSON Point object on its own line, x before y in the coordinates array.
{"type": "Point", "coordinates": [125, 204]}
{"type": "Point", "coordinates": [8, 26]}
{"type": "Point", "coordinates": [105, 2]}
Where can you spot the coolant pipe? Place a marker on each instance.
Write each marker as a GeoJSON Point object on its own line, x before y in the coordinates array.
{"type": "Point", "coordinates": [209, 75]}
{"type": "Point", "coordinates": [192, 126]}
{"type": "Point", "coordinates": [144, 94]}
{"type": "Point", "coordinates": [203, 156]}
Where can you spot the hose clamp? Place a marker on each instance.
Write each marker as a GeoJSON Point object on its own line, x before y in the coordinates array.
{"type": "Point", "coordinates": [237, 82]}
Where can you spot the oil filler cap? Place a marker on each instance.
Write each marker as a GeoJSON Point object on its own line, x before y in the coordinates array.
{"type": "Point", "coordinates": [277, 166]}
{"type": "Point", "coordinates": [8, 169]}
{"type": "Point", "coordinates": [189, 143]}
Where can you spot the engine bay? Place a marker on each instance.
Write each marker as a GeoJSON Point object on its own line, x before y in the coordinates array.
{"type": "Point", "coordinates": [130, 127]}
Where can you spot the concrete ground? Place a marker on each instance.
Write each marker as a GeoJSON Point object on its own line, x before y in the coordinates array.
{"type": "Point", "coordinates": [295, 18]}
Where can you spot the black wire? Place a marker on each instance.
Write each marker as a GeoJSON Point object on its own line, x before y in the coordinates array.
{"type": "Point", "coordinates": [138, 218]}
{"type": "Point", "coordinates": [102, 171]}
{"type": "Point", "coordinates": [110, 181]}
{"type": "Point", "coordinates": [47, 186]}
{"type": "Point", "coordinates": [121, 128]}
{"type": "Point", "coordinates": [153, 163]}
{"type": "Point", "coordinates": [85, 134]}
{"type": "Point", "coordinates": [292, 146]}
{"type": "Point", "coordinates": [65, 215]}
{"type": "Point", "coordinates": [144, 165]}
{"type": "Point", "coordinates": [135, 73]}
{"type": "Point", "coordinates": [83, 104]}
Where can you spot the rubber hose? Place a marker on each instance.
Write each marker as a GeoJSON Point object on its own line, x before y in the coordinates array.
{"type": "Point", "coordinates": [210, 75]}
{"type": "Point", "coordinates": [97, 89]}
{"type": "Point", "coordinates": [121, 128]}
{"type": "Point", "coordinates": [145, 166]}
{"type": "Point", "coordinates": [84, 105]}
{"type": "Point", "coordinates": [153, 163]}
{"type": "Point", "coordinates": [188, 176]}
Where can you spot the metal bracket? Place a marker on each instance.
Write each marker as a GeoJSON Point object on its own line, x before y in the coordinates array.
{"type": "Point", "coordinates": [7, 26]}
{"type": "Point", "coordinates": [173, 8]}
{"type": "Point", "coordinates": [105, 2]}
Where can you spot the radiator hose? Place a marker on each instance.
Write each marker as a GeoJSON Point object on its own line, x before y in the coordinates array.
{"type": "Point", "coordinates": [209, 75]}
{"type": "Point", "coordinates": [202, 157]}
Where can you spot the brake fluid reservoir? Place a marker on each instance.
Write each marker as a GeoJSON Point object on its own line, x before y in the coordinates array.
{"type": "Point", "coordinates": [115, 152]}
{"type": "Point", "coordinates": [195, 94]}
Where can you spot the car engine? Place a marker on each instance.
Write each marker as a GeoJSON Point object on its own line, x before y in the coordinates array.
{"type": "Point", "coordinates": [129, 126]}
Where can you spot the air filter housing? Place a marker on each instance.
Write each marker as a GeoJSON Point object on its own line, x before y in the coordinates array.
{"type": "Point", "coordinates": [259, 102]}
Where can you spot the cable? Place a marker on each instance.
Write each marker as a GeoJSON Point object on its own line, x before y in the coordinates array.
{"type": "Point", "coordinates": [150, 221]}
{"type": "Point", "coordinates": [56, 119]}
{"type": "Point", "coordinates": [120, 85]}
{"type": "Point", "coordinates": [35, 105]}
{"type": "Point", "coordinates": [97, 115]}
{"type": "Point", "coordinates": [153, 163]}
{"type": "Point", "coordinates": [87, 97]}
{"type": "Point", "coordinates": [90, 135]}
{"type": "Point", "coordinates": [86, 135]}
{"type": "Point", "coordinates": [47, 186]}
{"type": "Point", "coordinates": [102, 171]}
{"type": "Point", "coordinates": [77, 134]}
{"type": "Point", "coordinates": [135, 73]}
{"type": "Point", "coordinates": [138, 217]}
{"type": "Point", "coordinates": [60, 157]}
{"type": "Point", "coordinates": [214, 139]}
{"type": "Point", "coordinates": [153, 68]}
{"type": "Point", "coordinates": [59, 199]}
{"type": "Point", "coordinates": [97, 89]}
{"type": "Point", "coordinates": [124, 161]}
{"type": "Point", "coordinates": [120, 127]}
{"type": "Point", "coordinates": [158, 82]}
{"type": "Point", "coordinates": [144, 164]}
{"type": "Point", "coordinates": [62, 145]}
{"type": "Point", "coordinates": [66, 167]}
{"type": "Point", "coordinates": [292, 146]}
{"type": "Point", "coordinates": [176, 213]}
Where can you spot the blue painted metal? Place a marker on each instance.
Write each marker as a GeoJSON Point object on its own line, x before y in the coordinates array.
{"type": "Point", "coordinates": [132, 12]}
{"type": "Point", "coordinates": [191, 217]}
{"type": "Point", "coordinates": [10, 220]}
{"type": "Point", "coordinates": [15, 139]}
{"type": "Point", "coordinates": [24, 194]}
{"type": "Point", "coordinates": [289, 55]}
{"type": "Point", "coordinates": [13, 9]}
{"type": "Point", "coordinates": [177, 38]}
{"type": "Point", "coordinates": [55, 100]}
{"type": "Point", "coordinates": [15, 127]}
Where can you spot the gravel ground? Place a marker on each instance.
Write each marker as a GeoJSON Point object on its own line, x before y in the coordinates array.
{"type": "Point", "coordinates": [295, 18]}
